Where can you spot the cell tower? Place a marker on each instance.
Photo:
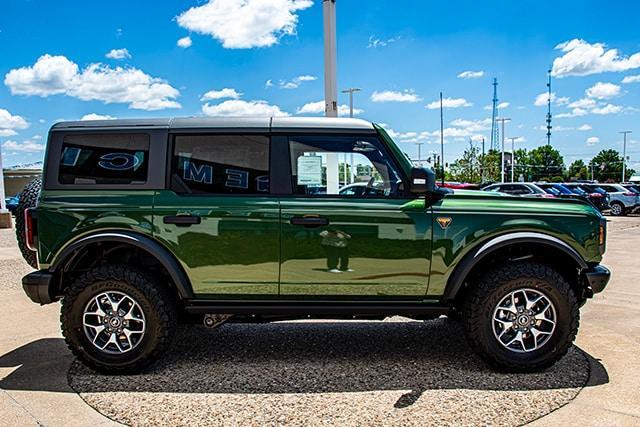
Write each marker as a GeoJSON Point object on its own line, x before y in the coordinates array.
{"type": "Point", "coordinates": [549, 109]}
{"type": "Point", "coordinates": [494, 116]}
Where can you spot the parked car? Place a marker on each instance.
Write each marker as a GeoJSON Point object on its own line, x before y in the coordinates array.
{"type": "Point", "coordinates": [361, 189]}
{"type": "Point", "coordinates": [597, 195]}
{"type": "Point", "coordinates": [623, 200]}
{"type": "Point", "coordinates": [12, 203]}
{"type": "Point", "coordinates": [565, 192]}
{"type": "Point", "coordinates": [141, 224]}
{"type": "Point", "coordinates": [460, 185]}
{"type": "Point", "coordinates": [523, 189]}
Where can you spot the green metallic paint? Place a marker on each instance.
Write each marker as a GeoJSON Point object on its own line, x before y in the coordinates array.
{"type": "Point", "coordinates": [66, 215]}
{"type": "Point", "coordinates": [233, 252]}
{"type": "Point", "coordinates": [388, 245]}
{"type": "Point", "coordinates": [479, 216]}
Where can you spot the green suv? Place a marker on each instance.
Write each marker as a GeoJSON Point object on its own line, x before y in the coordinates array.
{"type": "Point", "coordinates": [142, 224]}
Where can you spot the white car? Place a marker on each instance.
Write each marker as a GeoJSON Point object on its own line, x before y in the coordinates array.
{"type": "Point", "coordinates": [623, 200]}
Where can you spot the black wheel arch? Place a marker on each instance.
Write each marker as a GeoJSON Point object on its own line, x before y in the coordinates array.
{"type": "Point", "coordinates": [525, 239]}
{"type": "Point", "coordinates": [132, 239]}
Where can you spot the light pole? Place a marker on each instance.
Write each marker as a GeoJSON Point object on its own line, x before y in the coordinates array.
{"type": "Point", "coordinates": [513, 155]}
{"type": "Point", "coordinates": [624, 154]}
{"type": "Point", "coordinates": [350, 91]}
{"type": "Point", "coordinates": [502, 120]}
{"type": "Point", "coordinates": [419, 144]}
{"type": "Point", "coordinates": [330, 85]}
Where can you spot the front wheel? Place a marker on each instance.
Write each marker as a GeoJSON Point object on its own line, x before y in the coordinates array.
{"type": "Point", "coordinates": [115, 319]}
{"type": "Point", "coordinates": [521, 317]}
{"type": "Point", "coordinates": [617, 209]}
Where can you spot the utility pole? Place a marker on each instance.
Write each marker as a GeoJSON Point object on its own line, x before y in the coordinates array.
{"type": "Point", "coordinates": [549, 109]}
{"type": "Point", "coordinates": [513, 155]}
{"type": "Point", "coordinates": [330, 85]}
{"type": "Point", "coordinates": [442, 137]}
{"type": "Point", "coordinates": [350, 91]}
{"type": "Point", "coordinates": [624, 154]}
{"type": "Point", "coordinates": [502, 120]}
{"type": "Point", "coordinates": [482, 163]}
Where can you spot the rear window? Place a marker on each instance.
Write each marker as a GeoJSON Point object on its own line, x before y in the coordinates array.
{"type": "Point", "coordinates": [104, 159]}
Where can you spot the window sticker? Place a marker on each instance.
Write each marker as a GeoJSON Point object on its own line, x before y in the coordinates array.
{"type": "Point", "coordinates": [310, 170]}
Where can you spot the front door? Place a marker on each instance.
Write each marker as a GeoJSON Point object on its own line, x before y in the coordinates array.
{"type": "Point", "coordinates": [355, 238]}
{"type": "Point", "coordinates": [218, 218]}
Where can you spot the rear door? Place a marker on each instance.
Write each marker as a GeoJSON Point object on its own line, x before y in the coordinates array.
{"type": "Point", "coordinates": [217, 214]}
{"type": "Point", "coordinates": [371, 245]}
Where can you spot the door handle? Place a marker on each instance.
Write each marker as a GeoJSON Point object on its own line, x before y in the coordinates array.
{"type": "Point", "coordinates": [309, 221]}
{"type": "Point", "coordinates": [182, 220]}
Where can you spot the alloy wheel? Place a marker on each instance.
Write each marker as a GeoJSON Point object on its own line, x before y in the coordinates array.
{"type": "Point", "coordinates": [524, 320]}
{"type": "Point", "coordinates": [114, 322]}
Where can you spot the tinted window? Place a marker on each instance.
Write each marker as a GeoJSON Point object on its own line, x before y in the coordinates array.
{"type": "Point", "coordinates": [104, 159]}
{"type": "Point", "coordinates": [357, 159]}
{"type": "Point", "coordinates": [221, 164]}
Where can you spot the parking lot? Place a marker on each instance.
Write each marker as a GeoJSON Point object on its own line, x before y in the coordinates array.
{"type": "Point", "coordinates": [396, 372]}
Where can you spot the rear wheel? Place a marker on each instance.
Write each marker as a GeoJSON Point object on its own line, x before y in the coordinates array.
{"type": "Point", "coordinates": [28, 199]}
{"type": "Point", "coordinates": [617, 209]}
{"type": "Point", "coordinates": [116, 319]}
{"type": "Point", "coordinates": [521, 317]}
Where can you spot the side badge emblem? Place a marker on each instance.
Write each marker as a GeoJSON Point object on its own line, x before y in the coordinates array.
{"type": "Point", "coordinates": [444, 221]}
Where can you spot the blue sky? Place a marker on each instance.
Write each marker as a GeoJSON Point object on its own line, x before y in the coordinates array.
{"type": "Point", "coordinates": [67, 60]}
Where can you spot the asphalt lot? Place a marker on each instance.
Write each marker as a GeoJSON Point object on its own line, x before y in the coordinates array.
{"type": "Point", "coordinates": [395, 372]}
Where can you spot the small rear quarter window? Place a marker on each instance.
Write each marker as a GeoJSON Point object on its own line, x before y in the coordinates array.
{"type": "Point", "coordinates": [112, 159]}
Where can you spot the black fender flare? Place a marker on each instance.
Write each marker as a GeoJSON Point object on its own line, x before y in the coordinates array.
{"type": "Point", "coordinates": [484, 249]}
{"type": "Point", "coordinates": [147, 244]}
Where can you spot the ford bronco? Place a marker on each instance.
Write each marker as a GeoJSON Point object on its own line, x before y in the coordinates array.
{"type": "Point", "coordinates": [138, 225]}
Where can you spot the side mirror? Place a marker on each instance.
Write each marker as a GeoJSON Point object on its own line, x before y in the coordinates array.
{"type": "Point", "coordinates": [423, 181]}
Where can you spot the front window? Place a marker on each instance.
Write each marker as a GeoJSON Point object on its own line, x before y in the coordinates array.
{"type": "Point", "coordinates": [325, 165]}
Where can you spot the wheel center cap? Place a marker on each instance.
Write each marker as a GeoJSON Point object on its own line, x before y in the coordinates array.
{"type": "Point", "coordinates": [115, 322]}
{"type": "Point", "coordinates": [523, 320]}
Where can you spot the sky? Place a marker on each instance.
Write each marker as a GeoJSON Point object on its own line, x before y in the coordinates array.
{"type": "Point", "coordinates": [77, 60]}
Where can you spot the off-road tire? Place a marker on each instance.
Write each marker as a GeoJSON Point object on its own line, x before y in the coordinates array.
{"type": "Point", "coordinates": [155, 301]}
{"type": "Point", "coordinates": [617, 209]}
{"type": "Point", "coordinates": [28, 199]}
{"type": "Point", "coordinates": [495, 285]}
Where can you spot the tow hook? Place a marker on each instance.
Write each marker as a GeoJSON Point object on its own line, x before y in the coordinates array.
{"type": "Point", "coordinates": [212, 321]}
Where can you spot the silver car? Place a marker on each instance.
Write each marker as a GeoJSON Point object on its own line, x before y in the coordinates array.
{"type": "Point", "coordinates": [623, 200]}
{"type": "Point", "coordinates": [523, 189]}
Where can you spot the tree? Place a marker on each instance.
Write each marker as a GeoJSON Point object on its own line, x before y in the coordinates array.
{"type": "Point", "coordinates": [467, 168]}
{"type": "Point", "coordinates": [490, 165]}
{"type": "Point", "coordinates": [577, 170]}
{"type": "Point", "coordinates": [607, 166]}
{"type": "Point", "coordinates": [544, 162]}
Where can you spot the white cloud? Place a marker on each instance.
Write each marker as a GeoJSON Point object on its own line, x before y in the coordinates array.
{"type": "Point", "coordinates": [472, 125]}
{"type": "Point", "coordinates": [28, 146]}
{"type": "Point", "coordinates": [607, 109]}
{"type": "Point", "coordinates": [449, 103]}
{"type": "Point", "coordinates": [313, 108]}
{"type": "Point", "coordinates": [118, 54]}
{"type": "Point", "coordinates": [583, 103]}
{"type": "Point", "coordinates": [242, 24]}
{"type": "Point", "coordinates": [543, 99]}
{"type": "Point", "coordinates": [184, 42]}
{"type": "Point", "coordinates": [585, 127]}
{"type": "Point", "coordinates": [592, 140]}
{"type": "Point", "coordinates": [582, 58]}
{"type": "Point", "coordinates": [395, 96]}
{"type": "Point", "coordinates": [470, 74]}
{"type": "Point", "coordinates": [237, 108]}
{"type": "Point", "coordinates": [603, 91]}
{"type": "Point", "coordinates": [52, 75]}
{"type": "Point", "coordinates": [500, 106]}
{"type": "Point", "coordinates": [94, 116]}
{"type": "Point", "coordinates": [631, 79]}
{"type": "Point", "coordinates": [10, 124]}
{"type": "Point", "coordinates": [375, 42]}
{"type": "Point", "coordinates": [227, 92]}
{"type": "Point", "coordinates": [293, 83]}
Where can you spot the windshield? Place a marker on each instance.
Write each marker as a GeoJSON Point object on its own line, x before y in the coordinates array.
{"type": "Point", "coordinates": [562, 189]}
{"type": "Point", "coordinates": [403, 159]}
